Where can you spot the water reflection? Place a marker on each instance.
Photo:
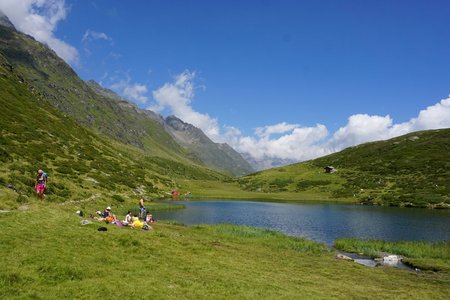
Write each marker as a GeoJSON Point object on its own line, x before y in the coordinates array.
{"type": "Point", "coordinates": [320, 222]}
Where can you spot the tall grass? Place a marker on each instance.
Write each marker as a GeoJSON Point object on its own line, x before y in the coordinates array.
{"type": "Point", "coordinates": [413, 249]}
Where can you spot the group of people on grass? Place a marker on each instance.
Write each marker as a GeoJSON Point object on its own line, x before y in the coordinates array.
{"type": "Point", "coordinates": [137, 221]}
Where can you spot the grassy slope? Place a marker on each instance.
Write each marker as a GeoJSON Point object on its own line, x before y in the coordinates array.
{"type": "Point", "coordinates": [80, 163]}
{"type": "Point", "coordinates": [63, 260]}
{"type": "Point", "coordinates": [411, 170]}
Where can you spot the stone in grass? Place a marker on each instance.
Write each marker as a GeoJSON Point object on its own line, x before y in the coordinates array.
{"type": "Point", "coordinates": [343, 257]}
{"type": "Point", "coordinates": [392, 258]}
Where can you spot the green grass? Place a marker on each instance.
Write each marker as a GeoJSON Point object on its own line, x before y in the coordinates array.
{"type": "Point", "coordinates": [231, 189]}
{"type": "Point", "coordinates": [47, 254]}
{"type": "Point", "coordinates": [423, 255]}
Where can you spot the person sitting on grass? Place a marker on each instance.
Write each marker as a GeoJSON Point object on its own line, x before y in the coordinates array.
{"type": "Point", "coordinates": [108, 216]}
{"type": "Point", "coordinates": [128, 219]}
{"type": "Point", "coordinates": [149, 219]}
{"type": "Point", "coordinates": [137, 224]}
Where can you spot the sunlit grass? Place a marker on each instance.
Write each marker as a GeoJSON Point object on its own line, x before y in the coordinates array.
{"type": "Point", "coordinates": [46, 253]}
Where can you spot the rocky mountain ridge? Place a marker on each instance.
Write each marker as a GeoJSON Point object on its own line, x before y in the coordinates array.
{"type": "Point", "coordinates": [215, 155]}
{"type": "Point", "coordinates": [219, 155]}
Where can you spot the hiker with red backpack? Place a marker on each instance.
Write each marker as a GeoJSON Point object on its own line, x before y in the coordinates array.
{"type": "Point", "coordinates": [41, 184]}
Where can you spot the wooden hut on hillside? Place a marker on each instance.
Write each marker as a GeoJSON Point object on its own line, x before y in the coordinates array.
{"type": "Point", "coordinates": [329, 169]}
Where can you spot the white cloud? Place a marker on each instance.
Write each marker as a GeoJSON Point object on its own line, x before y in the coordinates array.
{"type": "Point", "coordinates": [132, 91]}
{"type": "Point", "coordinates": [136, 92]}
{"type": "Point", "coordinates": [284, 142]}
{"type": "Point", "coordinates": [365, 128]}
{"type": "Point", "coordinates": [434, 117]}
{"type": "Point", "coordinates": [39, 18]}
{"type": "Point", "coordinates": [280, 128]}
{"type": "Point", "coordinates": [91, 35]}
{"type": "Point", "coordinates": [298, 143]}
{"type": "Point", "coordinates": [361, 128]}
{"type": "Point", "coordinates": [176, 97]}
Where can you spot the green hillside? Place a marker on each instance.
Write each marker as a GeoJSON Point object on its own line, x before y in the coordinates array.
{"type": "Point", "coordinates": [411, 170]}
{"type": "Point", "coordinates": [53, 81]}
{"type": "Point", "coordinates": [81, 164]}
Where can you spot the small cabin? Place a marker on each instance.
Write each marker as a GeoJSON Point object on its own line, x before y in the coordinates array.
{"type": "Point", "coordinates": [329, 169]}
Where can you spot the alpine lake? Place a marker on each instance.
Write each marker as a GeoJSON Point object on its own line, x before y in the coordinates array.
{"type": "Point", "coordinates": [320, 222]}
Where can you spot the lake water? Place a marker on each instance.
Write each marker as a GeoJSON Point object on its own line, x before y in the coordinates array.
{"type": "Point", "coordinates": [320, 222]}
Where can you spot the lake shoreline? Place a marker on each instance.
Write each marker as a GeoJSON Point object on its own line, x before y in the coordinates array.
{"type": "Point", "coordinates": [438, 206]}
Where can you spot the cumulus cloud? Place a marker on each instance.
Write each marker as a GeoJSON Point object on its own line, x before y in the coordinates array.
{"type": "Point", "coordinates": [176, 97]}
{"type": "Point", "coordinates": [297, 143]}
{"type": "Point", "coordinates": [287, 143]}
{"type": "Point", "coordinates": [359, 129]}
{"type": "Point", "coordinates": [434, 117]}
{"type": "Point", "coordinates": [364, 128]}
{"type": "Point", "coordinates": [39, 18]}
{"type": "Point", "coordinates": [280, 128]}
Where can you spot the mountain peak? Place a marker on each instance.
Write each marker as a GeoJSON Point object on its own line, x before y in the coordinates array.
{"type": "Point", "coordinates": [179, 125]}
{"type": "Point", "coordinates": [4, 21]}
{"type": "Point", "coordinates": [219, 156]}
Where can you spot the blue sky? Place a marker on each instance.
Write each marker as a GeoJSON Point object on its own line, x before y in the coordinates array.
{"type": "Point", "coordinates": [276, 79]}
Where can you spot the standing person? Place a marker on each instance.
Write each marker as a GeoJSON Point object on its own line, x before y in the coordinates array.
{"type": "Point", "coordinates": [41, 184]}
{"type": "Point", "coordinates": [142, 210]}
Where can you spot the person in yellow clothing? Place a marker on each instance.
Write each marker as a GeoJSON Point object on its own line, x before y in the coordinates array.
{"type": "Point", "coordinates": [138, 224]}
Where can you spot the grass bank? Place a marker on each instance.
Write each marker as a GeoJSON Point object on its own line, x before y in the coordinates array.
{"type": "Point", "coordinates": [211, 189]}
{"type": "Point", "coordinates": [419, 254]}
{"type": "Point", "coordinates": [46, 253]}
